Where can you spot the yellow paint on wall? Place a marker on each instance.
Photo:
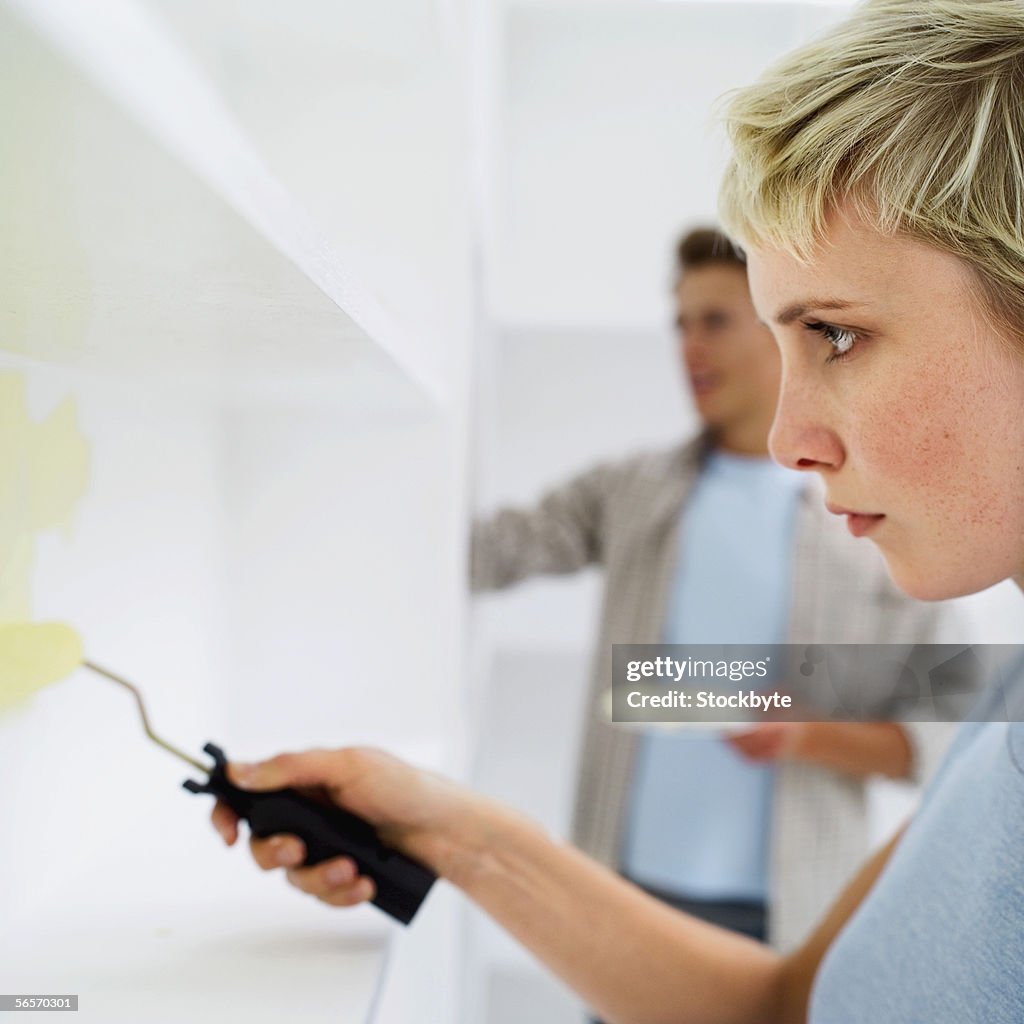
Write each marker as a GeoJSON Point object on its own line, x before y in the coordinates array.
{"type": "Point", "coordinates": [34, 655]}
{"type": "Point", "coordinates": [44, 472]}
{"type": "Point", "coordinates": [59, 477]}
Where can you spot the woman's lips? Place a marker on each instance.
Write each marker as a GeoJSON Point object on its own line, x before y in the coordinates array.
{"type": "Point", "coordinates": [858, 523]}
{"type": "Point", "coordinates": [703, 383]}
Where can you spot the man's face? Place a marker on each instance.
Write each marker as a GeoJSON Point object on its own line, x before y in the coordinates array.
{"type": "Point", "coordinates": [728, 355]}
{"type": "Point", "coordinates": [901, 396]}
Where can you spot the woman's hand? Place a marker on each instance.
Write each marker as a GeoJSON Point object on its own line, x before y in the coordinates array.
{"type": "Point", "coordinates": [418, 813]}
{"type": "Point", "coordinates": [629, 956]}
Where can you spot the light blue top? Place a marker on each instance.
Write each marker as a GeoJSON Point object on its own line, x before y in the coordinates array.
{"type": "Point", "coordinates": [698, 818]}
{"type": "Point", "coordinates": [940, 937]}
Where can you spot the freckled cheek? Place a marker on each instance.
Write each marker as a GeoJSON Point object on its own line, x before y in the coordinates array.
{"type": "Point", "coordinates": [913, 443]}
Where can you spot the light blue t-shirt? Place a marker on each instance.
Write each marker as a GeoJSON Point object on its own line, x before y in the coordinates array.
{"type": "Point", "coordinates": [698, 819]}
{"type": "Point", "coordinates": [940, 937]}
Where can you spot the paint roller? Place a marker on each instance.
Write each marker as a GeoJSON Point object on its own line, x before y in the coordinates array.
{"type": "Point", "coordinates": [35, 655]}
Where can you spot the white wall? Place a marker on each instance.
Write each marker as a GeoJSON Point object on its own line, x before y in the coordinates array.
{"type": "Point", "coordinates": [344, 554]}
{"type": "Point", "coordinates": [610, 147]}
{"type": "Point", "coordinates": [271, 579]}
{"type": "Point", "coordinates": [141, 577]}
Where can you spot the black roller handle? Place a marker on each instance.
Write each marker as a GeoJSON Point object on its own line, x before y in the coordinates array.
{"type": "Point", "coordinates": [402, 884]}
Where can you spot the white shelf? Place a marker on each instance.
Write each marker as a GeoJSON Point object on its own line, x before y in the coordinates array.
{"type": "Point", "coordinates": [143, 232]}
{"type": "Point", "coordinates": [356, 107]}
{"type": "Point", "coordinates": [188, 936]}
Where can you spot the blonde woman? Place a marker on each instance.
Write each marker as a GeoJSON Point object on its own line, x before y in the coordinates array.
{"type": "Point", "coordinates": [878, 188]}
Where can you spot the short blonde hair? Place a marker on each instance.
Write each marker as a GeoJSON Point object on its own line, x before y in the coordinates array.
{"type": "Point", "coordinates": [913, 110]}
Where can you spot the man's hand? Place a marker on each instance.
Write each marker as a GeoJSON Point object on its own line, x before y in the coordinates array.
{"type": "Point", "coordinates": [770, 741]}
{"type": "Point", "coordinates": [856, 749]}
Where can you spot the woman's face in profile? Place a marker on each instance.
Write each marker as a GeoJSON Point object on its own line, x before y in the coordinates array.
{"type": "Point", "coordinates": [901, 395]}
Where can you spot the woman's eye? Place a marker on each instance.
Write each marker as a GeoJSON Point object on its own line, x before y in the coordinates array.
{"type": "Point", "coordinates": [842, 339]}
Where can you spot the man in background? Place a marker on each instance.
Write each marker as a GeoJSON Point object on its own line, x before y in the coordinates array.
{"type": "Point", "coordinates": [711, 542]}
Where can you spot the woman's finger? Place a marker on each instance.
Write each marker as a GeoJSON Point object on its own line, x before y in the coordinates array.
{"type": "Point", "coordinates": [322, 879]}
{"type": "Point", "coordinates": [310, 768]}
{"type": "Point", "coordinates": [277, 852]}
{"type": "Point", "coordinates": [225, 821]}
{"type": "Point", "coordinates": [335, 882]}
{"type": "Point", "coordinates": [362, 891]}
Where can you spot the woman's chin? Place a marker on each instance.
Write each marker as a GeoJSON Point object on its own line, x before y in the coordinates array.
{"type": "Point", "coordinates": [934, 581]}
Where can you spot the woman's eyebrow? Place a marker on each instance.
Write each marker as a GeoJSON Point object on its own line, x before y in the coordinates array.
{"type": "Point", "coordinates": [798, 309]}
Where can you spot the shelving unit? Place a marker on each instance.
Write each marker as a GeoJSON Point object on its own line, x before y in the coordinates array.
{"type": "Point", "coordinates": [236, 237]}
{"type": "Point", "coordinates": [123, 160]}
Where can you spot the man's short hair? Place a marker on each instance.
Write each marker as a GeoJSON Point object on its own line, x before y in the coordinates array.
{"type": "Point", "coordinates": [703, 246]}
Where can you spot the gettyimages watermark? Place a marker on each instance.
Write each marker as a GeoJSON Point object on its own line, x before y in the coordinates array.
{"type": "Point", "coordinates": [736, 683]}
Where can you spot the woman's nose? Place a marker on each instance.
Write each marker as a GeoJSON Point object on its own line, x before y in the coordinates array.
{"type": "Point", "coordinates": [801, 436]}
